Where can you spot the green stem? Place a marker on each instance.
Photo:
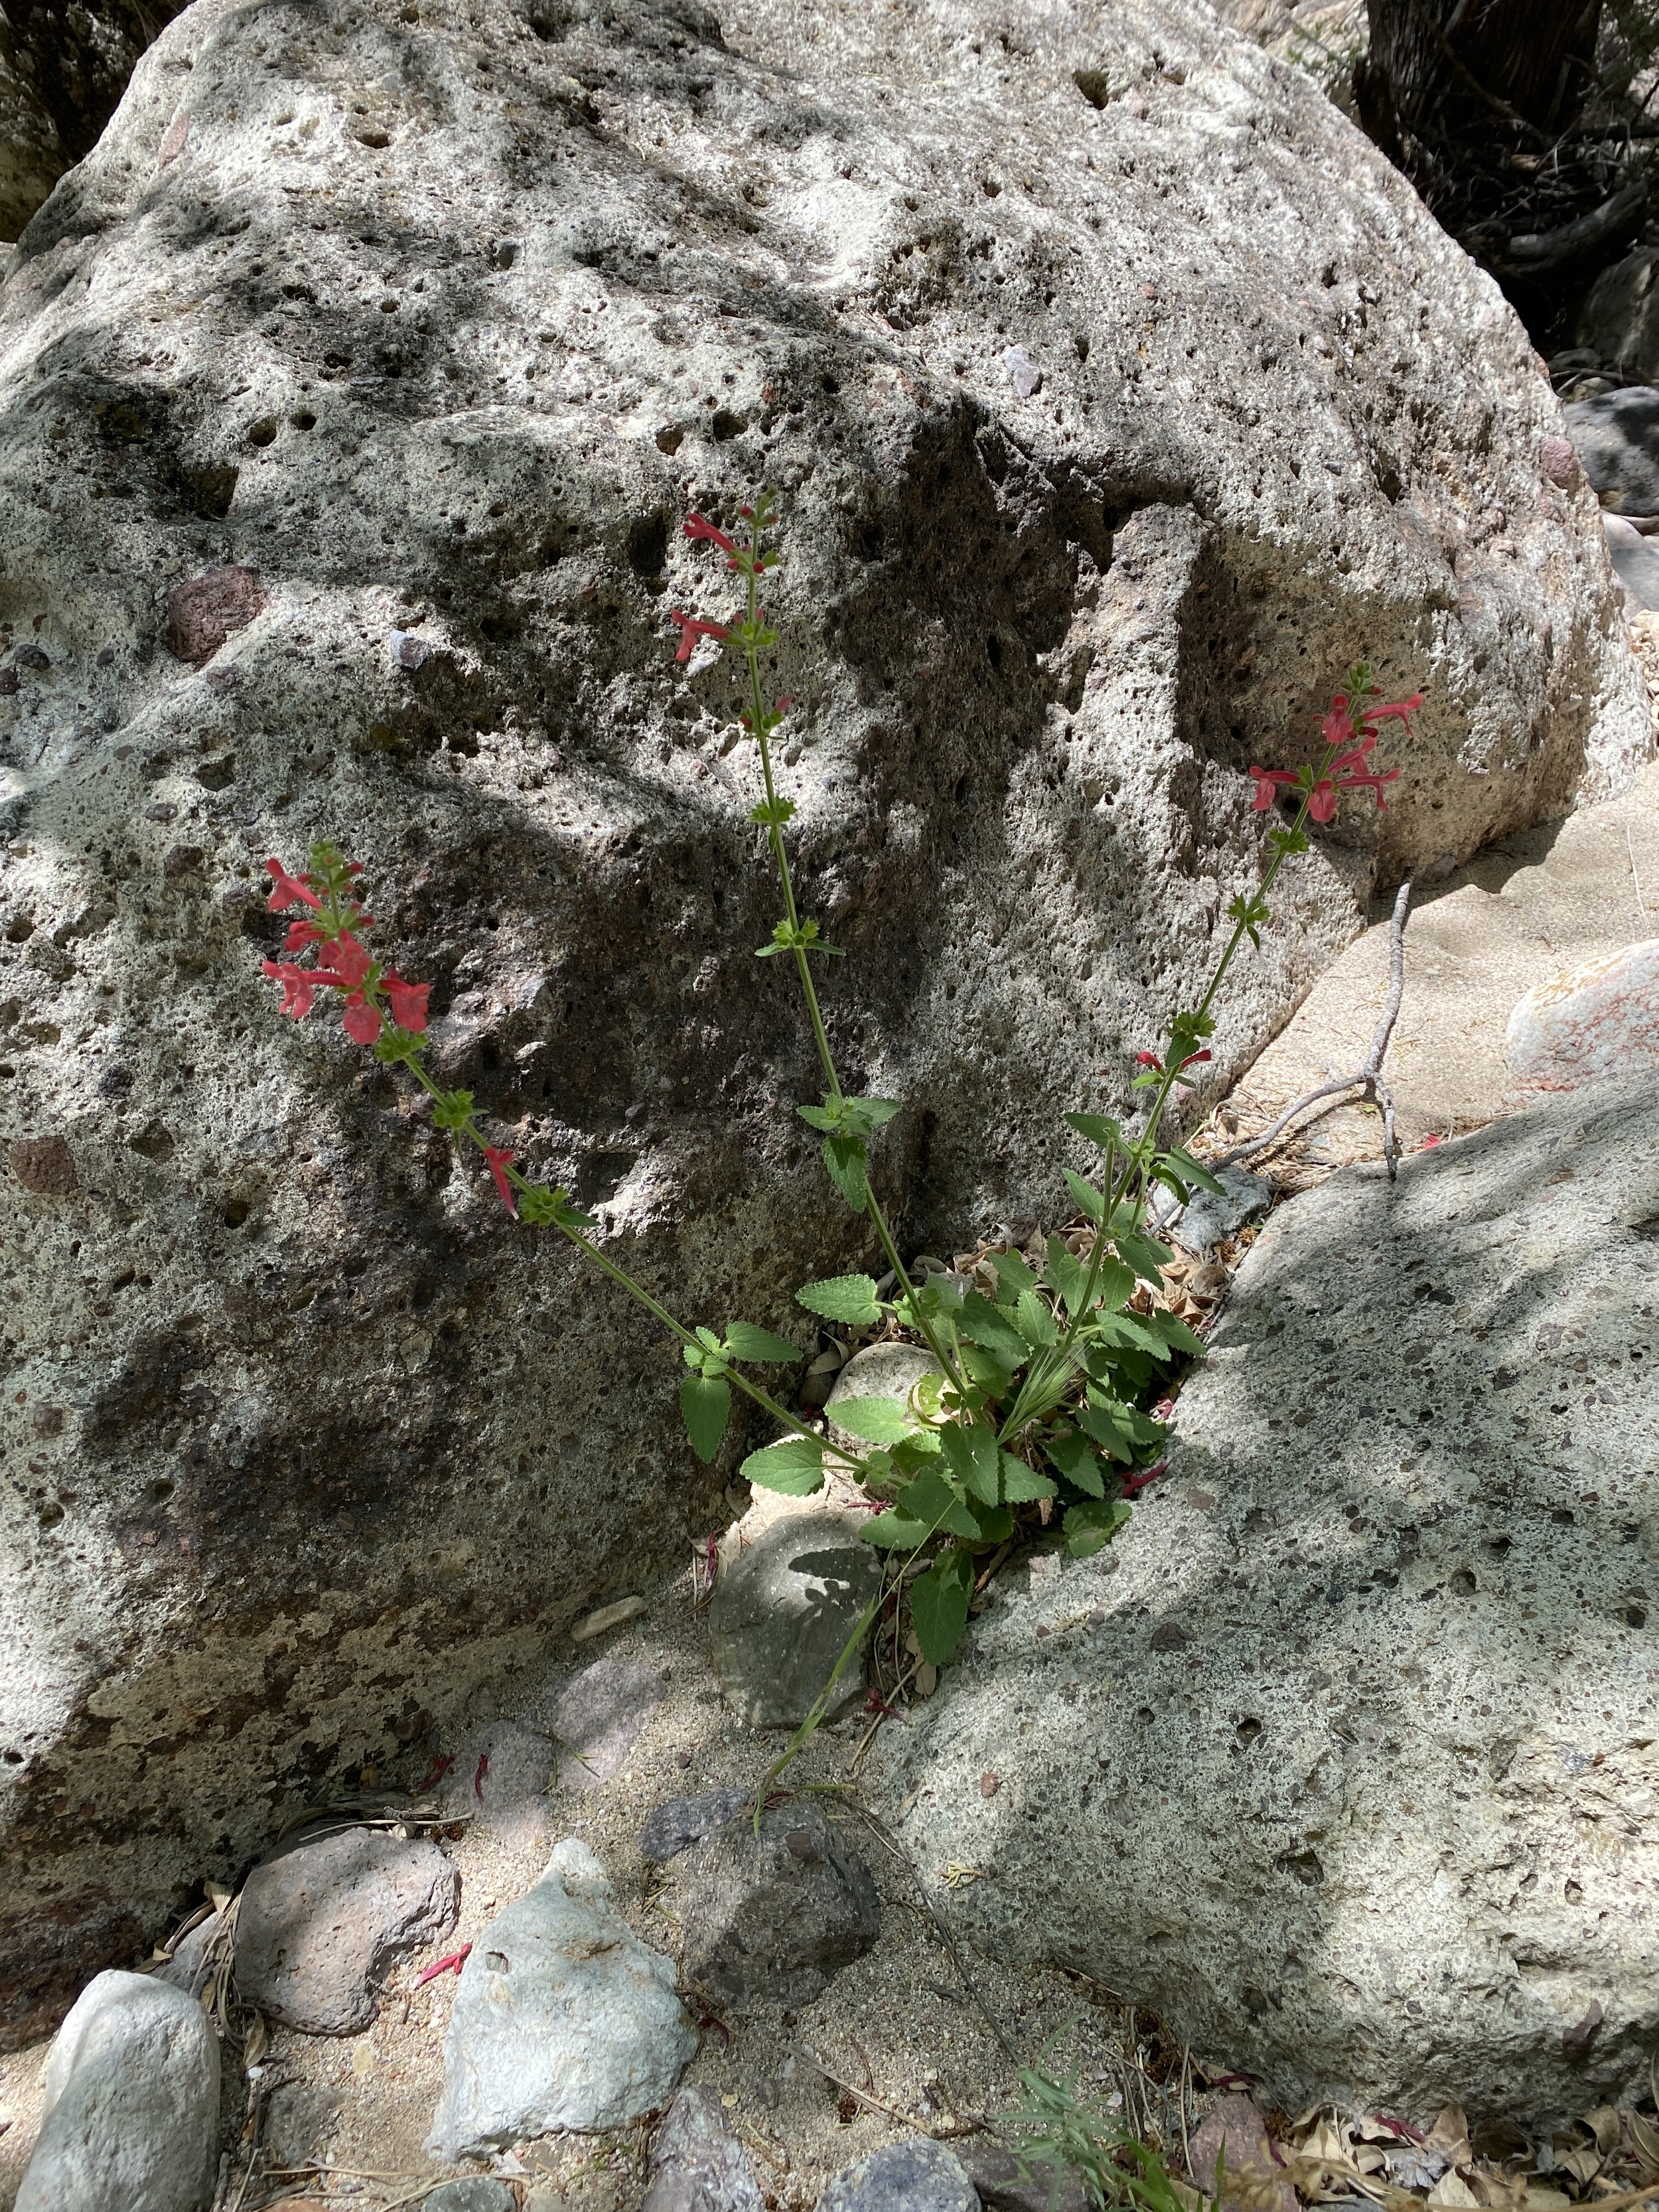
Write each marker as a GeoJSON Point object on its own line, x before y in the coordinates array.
{"type": "Point", "coordinates": [1138, 1164]}
{"type": "Point", "coordinates": [803, 967]}
{"type": "Point", "coordinates": [637, 1291]}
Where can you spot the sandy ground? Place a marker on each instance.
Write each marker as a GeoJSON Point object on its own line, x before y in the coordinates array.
{"type": "Point", "coordinates": [1534, 907]}
{"type": "Point", "coordinates": [897, 2028]}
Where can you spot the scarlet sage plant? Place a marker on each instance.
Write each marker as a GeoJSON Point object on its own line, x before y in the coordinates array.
{"type": "Point", "coordinates": [1048, 1397]}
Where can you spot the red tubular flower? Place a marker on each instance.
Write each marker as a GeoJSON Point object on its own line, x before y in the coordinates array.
{"type": "Point", "coordinates": [407, 1001]}
{"type": "Point", "coordinates": [1267, 780]}
{"type": "Point", "coordinates": [300, 934]}
{"type": "Point", "coordinates": [498, 1161]}
{"type": "Point", "coordinates": [1322, 805]}
{"type": "Point", "coordinates": [1149, 1060]}
{"type": "Point", "coordinates": [299, 986]}
{"type": "Point", "coordinates": [349, 964]}
{"type": "Point", "coordinates": [361, 1021]}
{"type": "Point", "coordinates": [1193, 1057]}
{"type": "Point", "coordinates": [696, 526]}
{"type": "Point", "coordinates": [1132, 1483]}
{"type": "Point", "coordinates": [1401, 710]}
{"type": "Point", "coordinates": [691, 629]}
{"type": "Point", "coordinates": [287, 891]}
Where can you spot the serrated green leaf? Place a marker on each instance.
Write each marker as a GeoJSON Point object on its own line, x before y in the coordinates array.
{"type": "Point", "coordinates": [745, 1341]}
{"type": "Point", "coordinates": [1090, 1527]}
{"type": "Point", "coordinates": [918, 1447]}
{"type": "Point", "coordinates": [971, 1455]}
{"type": "Point", "coordinates": [1175, 1334]}
{"type": "Point", "coordinates": [844, 1157]}
{"type": "Point", "coordinates": [793, 1468]}
{"type": "Point", "coordinates": [849, 1299]}
{"type": "Point", "coordinates": [982, 1322]}
{"type": "Point", "coordinates": [1012, 1276]}
{"type": "Point", "coordinates": [706, 1403]}
{"type": "Point", "coordinates": [819, 1117]}
{"type": "Point", "coordinates": [1100, 1129]}
{"type": "Point", "coordinates": [1074, 1455]}
{"type": "Point", "coordinates": [996, 1523]}
{"type": "Point", "coordinates": [1065, 1275]}
{"type": "Point", "coordinates": [938, 1604]}
{"type": "Point", "coordinates": [1033, 1321]}
{"type": "Point", "coordinates": [893, 1532]}
{"type": "Point", "coordinates": [1114, 1286]}
{"type": "Point", "coordinates": [1090, 1201]}
{"type": "Point", "coordinates": [878, 1421]}
{"type": "Point", "coordinates": [865, 1115]}
{"type": "Point", "coordinates": [987, 1371]}
{"type": "Point", "coordinates": [1194, 1171]}
{"type": "Point", "coordinates": [1119, 1429]}
{"type": "Point", "coordinates": [931, 1500]}
{"type": "Point", "coordinates": [1129, 1328]}
{"type": "Point", "coordinates": [1021, 1483]}
{"type": "Point", "coordinates": [1145, 1254]}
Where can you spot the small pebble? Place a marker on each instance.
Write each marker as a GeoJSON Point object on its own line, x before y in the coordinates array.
{"type": "Point", "coordinates": [989, 1784]}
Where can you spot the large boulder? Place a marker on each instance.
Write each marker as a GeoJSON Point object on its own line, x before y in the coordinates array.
{"type": "Point", "coordinates": [1343, 1757]}
{"type": "Point", "coordinates": [63, 65]}
{"type": "Point", "coordinates": [351, 394]}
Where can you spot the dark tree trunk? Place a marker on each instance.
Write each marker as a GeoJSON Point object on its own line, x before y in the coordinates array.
{"type": "Point", "coordinates": [1438, 68]}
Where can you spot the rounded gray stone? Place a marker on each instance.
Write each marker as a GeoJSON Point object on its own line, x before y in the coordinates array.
{"type": "Point", "coordinates": [880, 1370]}
{"type": "Point", "coordinates": [319, 1929]}
{"type": "Point", "coordinates": [783, 1613]}
{"type": "Point", "coordinates": [478, 2192]}
{"type": "Point", "coordinates": [130, 2114]}
{"type": "Point", "coordinates": [917, 2175]}
{"type": "Point", "coordinates": [771, 1917]}
{"type": "Point", "coordinates": [562, 2019]}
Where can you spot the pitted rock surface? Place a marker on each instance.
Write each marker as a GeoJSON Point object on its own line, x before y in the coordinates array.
{"type": "Point", "coordinates": [1378, 1652]}
{"type": "Point", "coordinates": [437, 328]}
{"type": "Point", "coordinates": [698, 2164]}
{"type": "Point", "coordinates": [319, 1929]}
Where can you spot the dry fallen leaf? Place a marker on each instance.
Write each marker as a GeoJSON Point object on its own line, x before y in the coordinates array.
{"type": "Point", "coordinates": [1644, 2139]}
{"type": "Point", "coordinates": [1452, 2190]}
{"type": "Point", "coordinates": [1581, 2166]}
{"type": "Point", "coordinates": [1604, 2123]}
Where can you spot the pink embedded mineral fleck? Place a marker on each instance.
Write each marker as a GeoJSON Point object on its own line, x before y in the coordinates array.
{"type": "Point", "coordinates": [1559, 462]}
{"type": "Point", "coordinates": [1601, 1019]}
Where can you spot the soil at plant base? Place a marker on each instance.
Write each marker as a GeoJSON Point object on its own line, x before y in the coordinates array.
{"type": "Point", "coordinates": [1532, 906]}
{"type": "Point", "coordinates": [896, 2025]}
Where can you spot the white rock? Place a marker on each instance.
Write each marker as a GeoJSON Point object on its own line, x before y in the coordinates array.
{"type": "Point", "coordinates": [563, 2019]}
{"type": "Point", "coordinates": [1599, 1020]}
{"type": "Point", "coordinates": [130, 2117]}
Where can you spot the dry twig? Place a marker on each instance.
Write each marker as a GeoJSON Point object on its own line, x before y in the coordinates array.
{"type": "Point", "coordinates": [1368, 1078]}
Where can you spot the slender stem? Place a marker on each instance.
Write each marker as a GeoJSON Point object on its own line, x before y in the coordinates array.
{"type": "Point", "coordinates": [758, 717]}
{"type": "Point", "coordinates": [637, 1290]}
{"type": "Point", "coordinates": [1138, 1162]}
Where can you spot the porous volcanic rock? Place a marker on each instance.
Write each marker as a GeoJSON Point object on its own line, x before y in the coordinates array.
{"type": "Point", "coordinates": [429, 327]}
{"type": "Point", "coordinates": [1342, 1758]}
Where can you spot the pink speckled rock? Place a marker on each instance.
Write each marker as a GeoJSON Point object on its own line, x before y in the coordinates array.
{"type": "Point", "coordinates": [1601, 1019]}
